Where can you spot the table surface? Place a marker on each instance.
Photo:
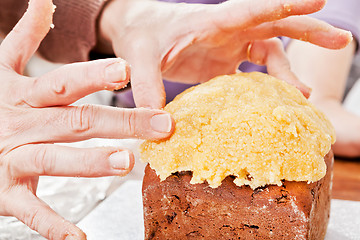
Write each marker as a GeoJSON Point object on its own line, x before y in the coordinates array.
{"type": "Point", "coordinates": [121, 214]}
{"type": "Point", "coordinates": [346, 182]}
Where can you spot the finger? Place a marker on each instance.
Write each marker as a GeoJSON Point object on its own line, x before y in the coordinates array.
{"type": "Point", "coordinates": [25, 38]}
{"type": "Point", "coordinates": [77, 123]}
{"type": "Point", "coordinates": [74, 81]}
{"type": "Point", "coordinates": [54, 160]}
{"type": "Point", "coordinates": [146, 80]}
{"type": "Point", "coordinates": [40, 217]}
{"type": "Point", "coordinates": [271, 53]}
{"type": "Point", "coordinates": [303, 28]}
{"type": "Point", "coordinates": [250, 13]}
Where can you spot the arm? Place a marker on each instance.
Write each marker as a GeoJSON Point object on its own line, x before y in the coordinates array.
{"type": "Point", "coordinates": [326, 72]}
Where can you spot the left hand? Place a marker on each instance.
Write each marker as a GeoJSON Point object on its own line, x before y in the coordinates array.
{"type": "Point", "coordinates": [192, 43]}
{"type": "Point", "coordinates": [35, 114]}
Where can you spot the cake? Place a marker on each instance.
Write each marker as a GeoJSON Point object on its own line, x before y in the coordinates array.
{"type": "Point", "coordinates": [250, 158]}
{"type": "Point", "coordinates": [175, 209]}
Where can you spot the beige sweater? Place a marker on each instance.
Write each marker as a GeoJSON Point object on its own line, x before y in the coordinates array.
{"type": "Point", "coordinates": [74, 35]}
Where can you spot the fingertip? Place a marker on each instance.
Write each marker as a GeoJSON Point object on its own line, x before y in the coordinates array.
{"type": "Point", "coordinates": [345, 39]}
{"type": "Point", "coordinates": [311, 6]}
{"type": "Point", "coordinates": [42, 12]}
{"type": "Point", "coordinates": [73, 232]}
{"type": "Point", "coordinates": [76, 234]}
{"type": "Point", "coordinates": [131, 164]}
{"type": "Point", "coordinates": [132, 160]}
{"type": "Point", "coordinates": [306, 91]}
{"type": "Point", "coordinates": [116, 74]}
{"type": "Point", "coordinates": [122, 162]}
{"type": "Point", "coordinates": [318, 4]}
{"type": "Point", "coordinates": [156, 102]}
{"type": "Point", "coordinates": [162, 123]}
{"type": "Point", "coordinates": [148, 87]}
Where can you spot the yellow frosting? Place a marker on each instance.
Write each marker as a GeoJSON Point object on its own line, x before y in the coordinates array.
{"type": "Point", "coordinates": [250, 125]}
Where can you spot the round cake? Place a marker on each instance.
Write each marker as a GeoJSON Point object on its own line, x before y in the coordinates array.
{"type": "Point", "coordinates": [250, 158]}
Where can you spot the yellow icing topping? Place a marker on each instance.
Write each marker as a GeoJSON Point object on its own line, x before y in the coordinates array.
{"type": "Point", "coordinates": [250, 125]}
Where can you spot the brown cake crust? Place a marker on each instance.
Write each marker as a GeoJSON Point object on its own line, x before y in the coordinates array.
{"type": "Point", "coordinates": [175, 209]}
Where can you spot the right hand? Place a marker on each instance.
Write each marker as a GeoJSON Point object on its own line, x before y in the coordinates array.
{"type": "Point", "coordinates": [192, 43]}
{"type": "Point", "coordinates": [35, 114]}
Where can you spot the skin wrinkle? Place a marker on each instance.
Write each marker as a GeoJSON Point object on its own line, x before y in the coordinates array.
{"type": "Point", "coordinates": [130, 119]}
{"type": "Point", "coordinates": [42, 162]}
{"type": "Point", "coordinates": [30, 218]}
{"type": "Point", "coordinates": [80, 118]}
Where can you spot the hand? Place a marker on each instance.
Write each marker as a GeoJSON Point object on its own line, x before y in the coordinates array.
{"type": "Point", "coordinates": [35, 114]}
{"type": "Point", "coordinates": [192, 43]}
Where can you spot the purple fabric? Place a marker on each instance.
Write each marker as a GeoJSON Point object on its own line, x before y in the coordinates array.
{"type": "Point", "coordinates": [340, 13]}
{"type": "Point", "coordinates": [195, 1]}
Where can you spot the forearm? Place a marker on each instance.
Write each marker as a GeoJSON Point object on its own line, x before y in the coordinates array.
{"type": "Point", "coordinates": [324, 70]}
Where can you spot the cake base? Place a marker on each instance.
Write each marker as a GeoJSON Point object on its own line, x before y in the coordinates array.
{"type": "Point", "coordinates": [175, 209]}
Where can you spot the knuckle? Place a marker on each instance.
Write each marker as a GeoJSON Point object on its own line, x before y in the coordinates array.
{"type": "Point", "coordinates": [59, 87]}
{"type": "Point", "coordinates": [56, 86]}
{"type": "Point", "coordinates": [42, 162]}
{"type": "Point", "coordinates": [129, 125]}
{"type": "Point", "coordinates": [81, 118]}
{"type": "Point", "coordinates": [31, 218]}
{"type": "Point", "coordinates": [10, 123]}
{"type": "Point", "coordinates": [276, 42]}
{"type": "Point", "coordinates": [8, 165]}
{"type": "Point", "coordinates": [53, 231]}
{"type": "Point", "coordinates": [53, 84]}
{"type": "Point", "coordinates": [86, 167]}
{"type": "Point", "coordinates": [22, 96]}
{"type": "Point", "coordinates": [275, 27]}
{"type": "Point", "coordinates": [4, 200]}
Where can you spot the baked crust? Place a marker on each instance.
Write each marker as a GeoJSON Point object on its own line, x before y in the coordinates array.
{"type": "Point", "coordinates": [175, 209]}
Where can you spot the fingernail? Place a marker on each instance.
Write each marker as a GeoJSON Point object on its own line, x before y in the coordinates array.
{"type": "Point", "coordinates": [116, 72]}
{"type": "Point", "coordinates": [120, 160]}
{"type": "Point", "coordinates": [161, 123]}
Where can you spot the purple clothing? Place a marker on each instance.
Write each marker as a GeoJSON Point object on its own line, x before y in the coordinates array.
{"type": "Point", "coordinates": [195, 1]}
{"type": "Point", "coordinates": [339, 13]}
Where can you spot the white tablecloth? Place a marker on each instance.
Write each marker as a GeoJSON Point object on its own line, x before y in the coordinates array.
{"type": "Point", "coordinates": [120, 217]}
